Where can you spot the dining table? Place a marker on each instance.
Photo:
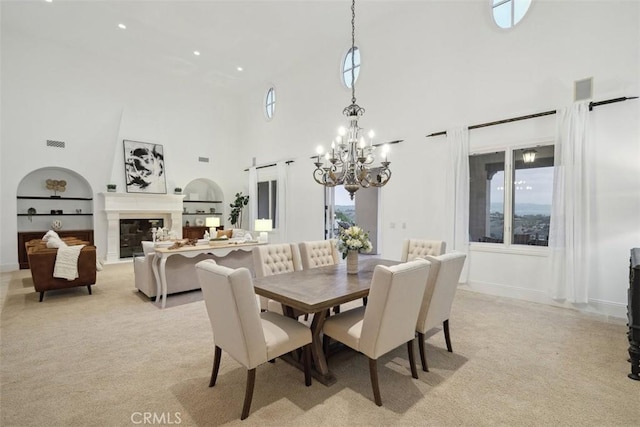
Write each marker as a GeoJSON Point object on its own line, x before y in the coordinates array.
{"type": "Point", "coordinates": [316, 291]}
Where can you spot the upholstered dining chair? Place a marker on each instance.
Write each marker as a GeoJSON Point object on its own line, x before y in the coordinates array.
{"type": "Point", "coordinates": [241, 330]}
{"type": "Point", "coordinates": [438, 298]}
{"type": "Point", "coordinates": [417, 248]}
{"type": "Point", "coordinates": [275, 259]}
{"type": "Point", "coordinates": [387, 321]}
{"type": "Point", "coordinates": [319, 253]}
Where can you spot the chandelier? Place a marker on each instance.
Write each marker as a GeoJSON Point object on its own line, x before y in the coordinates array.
{"type": "Point", "coordinates": [350, 160]}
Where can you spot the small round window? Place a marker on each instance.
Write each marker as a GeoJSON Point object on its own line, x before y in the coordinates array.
{"type": "Point", "coordinates": [507, 13]}
{"type": "Point", "coordinates": [270, 103]}
{"type": "Point", "coordinates": [351, 63]}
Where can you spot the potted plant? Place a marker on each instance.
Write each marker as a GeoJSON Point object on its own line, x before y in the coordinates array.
{"type": "Point", "coordinates": [177, 190]}
{"type": "Point", "coordinates": [235, 217]}
{"type": "Point", "coordinates": [111, 188]}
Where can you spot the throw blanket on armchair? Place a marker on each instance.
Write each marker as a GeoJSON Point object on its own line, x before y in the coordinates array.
{"type": "Point", "coordinates": [67, 262]}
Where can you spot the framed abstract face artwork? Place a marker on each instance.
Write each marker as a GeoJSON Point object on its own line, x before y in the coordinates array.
{"type": "Point", "coordinates": [144, 167]}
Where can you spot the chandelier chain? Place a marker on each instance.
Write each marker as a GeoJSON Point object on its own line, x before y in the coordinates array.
{"type": "Point", "coordinates": [353, 51]}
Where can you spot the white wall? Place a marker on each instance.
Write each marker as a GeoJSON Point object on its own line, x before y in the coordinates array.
{"type": "Point", "coordinates": [434, 65]}
{"type": "Point", "coordinates": [51, 92]}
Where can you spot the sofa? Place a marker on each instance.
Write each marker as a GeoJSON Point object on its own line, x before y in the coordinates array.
{"type": "Point", "coordinates": [180, 271]}
{"type": "Point", "coordinates": [42, 262]}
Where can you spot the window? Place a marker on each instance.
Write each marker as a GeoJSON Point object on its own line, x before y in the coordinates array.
{"type": "Point", "coordinates": [507, 13]}
{"type": "Point", "coordinates": [510, 196]}
{"type": "Point", "coordinates": [270, 103]}
{"type": "Point", "coordinates": [351, 62]}
{"type": "Point", "coordinates": [267, 200]}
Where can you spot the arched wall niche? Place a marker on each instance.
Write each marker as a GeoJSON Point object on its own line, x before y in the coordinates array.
{"type": "Point", "coordinates": [34, 183]}
{"type": "Point", "coordinates": [39, 209]}
{"type": "Point", "coordinates": [203, 195]}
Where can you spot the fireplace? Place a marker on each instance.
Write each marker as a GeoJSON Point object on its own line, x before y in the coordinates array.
{"type": "Point", "coordinates": [136, 206]}
{"type": "Point", "coordinates": [134, 231]}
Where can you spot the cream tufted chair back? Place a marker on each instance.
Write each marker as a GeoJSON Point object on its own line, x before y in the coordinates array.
{"type": "Point", "coordinates": [275, 259]}
{"type": "Point", "coordinates": [319, 253]}
{"type": "Point", "coordinates": [416, 248]}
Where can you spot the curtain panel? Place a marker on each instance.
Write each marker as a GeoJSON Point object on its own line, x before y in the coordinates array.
{"type": "Point", "coordinates": [570, 211]}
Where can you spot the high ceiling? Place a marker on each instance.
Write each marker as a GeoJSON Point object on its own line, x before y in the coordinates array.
{"type": "Point", "coordinates": [263, 37]}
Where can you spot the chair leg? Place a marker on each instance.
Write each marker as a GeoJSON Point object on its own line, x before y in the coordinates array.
{"type": "Point", "coordinates": [447, 337]}
{"type": "Point", "coordinates": [41, 296]}
{"type": "Point", "coordinates": [373, 372]}
{"type": "Point", "coordinates": [248, 395]}
{"type": "Point", "coordinates": [216, 366]}
{"type": "Point", "coordinates": [423, 356]}
{"type": "Point", "coordinates": [89, 288]}
{"type": "Point", "coordinates": [412, 359]}
{"type": "Point", "coordinates": [307, 365]}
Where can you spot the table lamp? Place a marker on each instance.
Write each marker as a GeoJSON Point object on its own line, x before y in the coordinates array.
{"type": "Point", "coordinates": [263, 226]}
{"type": "Point", "coordinates": [212, 222]}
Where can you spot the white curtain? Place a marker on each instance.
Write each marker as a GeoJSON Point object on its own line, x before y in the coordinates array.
{"type": "Point", "coordinates": [253, 199]}
{"type": "Point", "coordinates": [568, 234]}
{"type": "Point", "coordinates": [458, 193]}
{"type": "Point", "coordinates": [282, 200]}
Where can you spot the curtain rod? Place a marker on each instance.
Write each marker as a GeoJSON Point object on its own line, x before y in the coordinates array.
{"type": "Point", "coordinates": [531, 116]}
{"type": "Point", "coordinates": [270, 165]}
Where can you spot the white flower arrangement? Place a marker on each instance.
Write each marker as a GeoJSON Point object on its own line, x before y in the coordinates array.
{"type": "Point", "coordinates": [353, 238]}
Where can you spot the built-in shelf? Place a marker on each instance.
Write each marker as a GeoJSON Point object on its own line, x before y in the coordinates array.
{"type": "Point", "coordinates": [201, 214]}
{"type": "Point", "coordinates": [62, 214]}
{"type": "Point", "coordinates": [202, 201]}
{"type": "Point", "coordinates": [53, 198]}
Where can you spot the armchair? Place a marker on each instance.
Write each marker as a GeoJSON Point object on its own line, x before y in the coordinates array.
{"type": "Point", "coordinates": [42, 262]}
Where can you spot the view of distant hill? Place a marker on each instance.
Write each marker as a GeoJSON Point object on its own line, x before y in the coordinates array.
{"type": "Point", "coordinates": [525, 209]}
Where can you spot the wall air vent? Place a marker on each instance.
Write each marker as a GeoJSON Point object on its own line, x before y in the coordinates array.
{"type": "Point", "coordinates": [203, 159]}
{"type": "Point", "coordinates": [57, 144]}
{"type": "Point", "coordinates": [583, 89]}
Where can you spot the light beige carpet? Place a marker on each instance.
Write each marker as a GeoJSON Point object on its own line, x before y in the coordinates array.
{"type": "Point", "coordinates": [114, 358]}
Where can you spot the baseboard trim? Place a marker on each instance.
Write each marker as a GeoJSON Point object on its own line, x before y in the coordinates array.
{"type": "Point", "coordinates": [7, 268]}
{"type": "Point", "coordinates": [609, 309]}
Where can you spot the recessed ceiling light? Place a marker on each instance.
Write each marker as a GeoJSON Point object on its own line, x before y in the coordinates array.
{"type": "Point", "coordinates": [49, 1]}
{"type": "Point", "coordinates": [239, 68]}
{"type": "Point", "coordinates": [196, 53]}
{"type": "Point", "coordinates": [124, 27]}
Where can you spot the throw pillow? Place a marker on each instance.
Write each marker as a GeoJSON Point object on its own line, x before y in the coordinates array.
{"type": "Point", "coordinates": [49, 235]}
{"type": "Point", "coordinates": [227, 233]}
{"type": "Point", "coordinates": [238, 233]}
{"type": "Point", "coordinates": [55, 242]}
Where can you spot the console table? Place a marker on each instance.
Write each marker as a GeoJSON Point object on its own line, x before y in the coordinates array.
{"type": "Point", "coordinates": [162, 254]}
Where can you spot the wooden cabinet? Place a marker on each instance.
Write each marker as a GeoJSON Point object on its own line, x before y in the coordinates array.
{"type": "Point", "coordinates": [25, 236]}
{"type": "Point", "coordinates": [196, 232]}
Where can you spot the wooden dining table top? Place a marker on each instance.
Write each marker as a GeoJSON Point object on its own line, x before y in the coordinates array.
{"type": "Point", "coordinates": [317, 289]}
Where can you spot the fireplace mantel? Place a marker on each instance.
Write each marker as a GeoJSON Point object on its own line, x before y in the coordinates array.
{"type": "Point", "coordinates": [139, 205]}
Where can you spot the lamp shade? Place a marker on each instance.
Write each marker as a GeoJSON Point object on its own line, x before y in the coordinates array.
{"type": "Point", "coordinates": [212, 221]}
{"type": "Point", "coordinates": [263, 225]}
